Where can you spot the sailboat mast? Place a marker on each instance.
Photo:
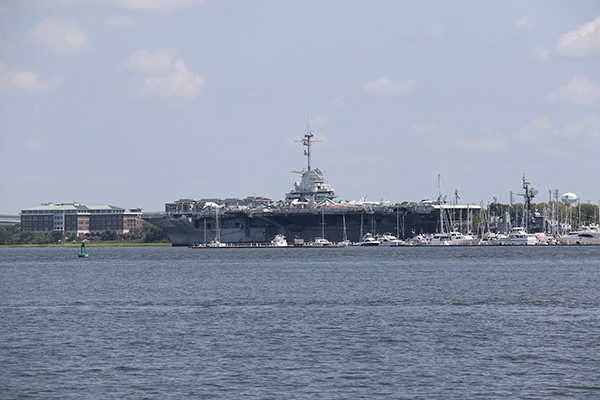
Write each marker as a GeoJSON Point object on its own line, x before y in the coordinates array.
{"type": "Point", "coordinates": [322, 222]}
{"type": "Point", "coordinates": [397, 223]}
{"type": "Point", "coordinates": [361, 225]}
{"type": "Point", "coordinates": [218, 235]}
{"type": "Point", "coordinates": [440, 203]}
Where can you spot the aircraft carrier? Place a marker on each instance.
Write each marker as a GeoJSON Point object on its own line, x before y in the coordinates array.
{"type": "Point", "coordinates": [310, 210]}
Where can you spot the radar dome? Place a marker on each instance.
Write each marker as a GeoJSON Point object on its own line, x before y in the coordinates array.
{"type": "Point", "coordinates": [570, 198]}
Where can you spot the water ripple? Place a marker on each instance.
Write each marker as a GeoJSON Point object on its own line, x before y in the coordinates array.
{"type": "Point", "coordinates": [362, 323]}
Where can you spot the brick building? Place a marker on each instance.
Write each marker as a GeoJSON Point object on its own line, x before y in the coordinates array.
{"type": "Point", "coordinates": [78, 219]}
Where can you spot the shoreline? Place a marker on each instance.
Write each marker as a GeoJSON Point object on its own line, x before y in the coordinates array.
{"type": "Point", "coordinates": [88, 244]}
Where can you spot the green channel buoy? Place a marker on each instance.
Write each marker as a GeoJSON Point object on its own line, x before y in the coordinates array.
{"type": "Point", "coordinates": [82, 253]}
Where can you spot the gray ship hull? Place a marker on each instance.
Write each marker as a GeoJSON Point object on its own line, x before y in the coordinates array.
{"type": "Point", "coordinates": [309, 211]}
{"type": "Point", "coordinates": [334, 223]}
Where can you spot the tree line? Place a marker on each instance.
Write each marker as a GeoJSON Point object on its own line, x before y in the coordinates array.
{"type": "Point", "coordinates": [13, 235]}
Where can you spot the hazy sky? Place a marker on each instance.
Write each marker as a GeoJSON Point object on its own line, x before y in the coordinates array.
{"type": "Point", "coordinates": [136, 103]}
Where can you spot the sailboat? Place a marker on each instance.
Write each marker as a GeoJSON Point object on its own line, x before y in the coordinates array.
{"type": "Point", "coordinates": [321, 241]}
{"type": "Point", "coordinates": [452, 238]}
{"type": "Point", "coordinates": [216, 242]}
{"type": "Point", "coordinates": [345, 241]}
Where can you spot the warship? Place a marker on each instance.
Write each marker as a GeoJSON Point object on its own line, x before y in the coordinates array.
{"type": "Point", "coordinates": [310, 210]}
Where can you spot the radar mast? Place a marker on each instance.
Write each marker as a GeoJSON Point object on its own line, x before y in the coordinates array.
{"type": "Point", "coordinates": [312, 187]}
{"type": "Point", "coordinates": [529, 194]}
{"type": "Point", "coordinates": [308, 141]}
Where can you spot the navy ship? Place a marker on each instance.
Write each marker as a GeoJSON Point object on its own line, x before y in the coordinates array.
{"type": "Point", "coordinates": [310, 210]}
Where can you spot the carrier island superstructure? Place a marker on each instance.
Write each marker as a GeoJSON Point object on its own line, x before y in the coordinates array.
{"type": "Point", "coordinates": [309, 210]}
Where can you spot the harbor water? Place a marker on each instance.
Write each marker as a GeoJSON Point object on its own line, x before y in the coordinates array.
{"type": "Point", "coordinates": [344, 323]}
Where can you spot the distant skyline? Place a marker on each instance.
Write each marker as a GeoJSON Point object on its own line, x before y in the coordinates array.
{"type": "Point", "coordinates": [136, 103]}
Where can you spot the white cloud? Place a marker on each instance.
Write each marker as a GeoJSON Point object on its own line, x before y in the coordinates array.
{"type": "Point", "coordinates": [119, 21]}
{"type": "Point", "coordinates": [579, 90]}
{"type": "Point", "coordinates": [62, 3]}
{"type": "Point", "coordinates": [151, 62]}
{"type": "Point", "coordinates": [586, 130]}
{"type": "Point", "coordinates": [56, 35]}
{"type": "Point", "coordinates": [525, 23]}
{"type": "Point", "coordinates": [384, 86]}
{"type": "Point", "coordinates": [575, 129]}
{"type": "Point", "coordinates": [164, 76]}
{"type": "Point", "coordinates": [339, 101]}
{"type": "Point", "coordinates": [426, 128]}
{"type": "Point", "coordinates": [130, 4]}
{"type": "Point", "coordinates": [37, 146]}
{"type": "Point", "coordinates": [542, 53]}
{"type": "Point", "coordinates": [560, 139]}
{"type": "Point", "coordinates": [541, 124]}
{"type": "Point", "coordinates": [149, 4]}
{"type": "Point", "coordinates": [483, 144]}
{"type": "Point", "coordinates": [12, 80]}
{"type": "Point", "coordinates": [583, 41]}
{"type": "Point", "coordinates": [537, 131]}
{"type": "Point", "coordinates": [179, 83]}
{"type": "Point", "coordinates": [320, 120]}
{"type": "Point", "coordinates": [436, 32]}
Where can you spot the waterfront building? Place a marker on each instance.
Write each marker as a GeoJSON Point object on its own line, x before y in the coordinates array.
{"type": "Point", "coordinates": [132, 220]}
{"type": "Point", "coordinates": [79, 219]}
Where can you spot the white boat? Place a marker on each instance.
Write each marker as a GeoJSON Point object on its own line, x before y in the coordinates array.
{"type": "Point", "coordinates": [543, 238]}
{"type": "Point", "coordinates": [586, 235]}
{"type": "Point", "coordinates": [439, 239]}
{"type": "Point", "coordinates": [448, 238]}
{"type": "Point", "coordinates": [387, 239]}
{"type": "Point", "coordinates": [369, 240]}
{"type": "Point", "coordinates": [451, 239]}
{"type": "Point", "coordinates": [321, 242]}
{"type": "Point", "coordinates": [419, 240]}
{"type": "Point", "coordinates": [491, 239]}
{"type": "Point", "coordinates": [279, 241]}
{"type": "Point", "coordinates": [518, 236]}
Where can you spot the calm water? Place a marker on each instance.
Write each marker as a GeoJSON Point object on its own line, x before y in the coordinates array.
{"type": "Point", "coordinates": [414, 323]}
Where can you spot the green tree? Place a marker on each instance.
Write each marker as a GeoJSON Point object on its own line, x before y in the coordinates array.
{"type": "Point", "coordinates": [6, 235]}
{"type": "Point", "coordinates": [154, 234]}
{"type": "Point", "coordinates": [108, 235]}
{"type": "Point", "coordinates": [31, 238]}
{"type": "Point", "coordinates": [55, 237]}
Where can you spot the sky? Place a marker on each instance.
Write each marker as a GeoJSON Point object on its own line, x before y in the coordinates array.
{"type": "Point", "coordinates": [136, 103]}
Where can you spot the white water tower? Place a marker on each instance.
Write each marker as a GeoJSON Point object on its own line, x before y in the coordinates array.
{"type": "Point", "coordinates": [569, 198]}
